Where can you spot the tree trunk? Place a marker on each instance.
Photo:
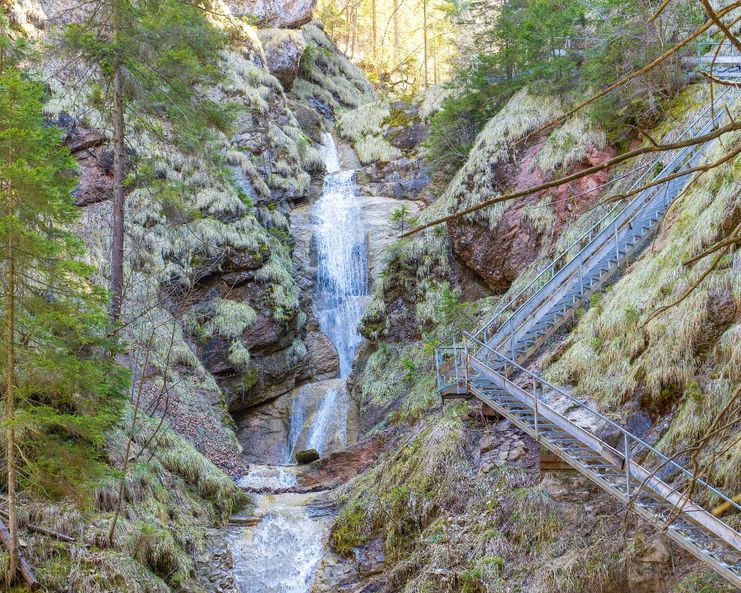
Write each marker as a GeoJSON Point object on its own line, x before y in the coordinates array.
{"type": "Point", "coordinates": [24, 567]}
{"type": "Point", "coordinates": [424, 31]}
{"type": "Point", "coordinates": [119, 155]}
{"type": "Point", "coordinates": [373, 29]}
{"type": "Point", "coordinates": [396, 30]}
{"type": "Point", "coordinates": [12, 543]}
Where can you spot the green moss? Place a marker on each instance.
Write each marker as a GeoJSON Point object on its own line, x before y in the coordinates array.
{"type": "Point", "coordinates": [350, 528]}
{"type": "Point", "coordinates": [702, 583]}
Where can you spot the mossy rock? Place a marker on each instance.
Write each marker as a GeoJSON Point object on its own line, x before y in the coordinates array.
{"type": "Point", "coordinates": [307, 455]}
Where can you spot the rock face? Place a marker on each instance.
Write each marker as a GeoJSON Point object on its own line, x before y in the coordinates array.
{"type": "Point", "coordinates": [309, 417]}
{"type": "Point", "coordinates": [405, 177]}
{"type": "Point", "coordinates": [496, 256]}
{"type": "Point", "coordinates": [324, 363]}
{"type": "Point", "coordinates": [283, 50]}
{"type": "Point", "coordinates": [377, 211]}
{"type": "Point", "coordinates": [282, 14]}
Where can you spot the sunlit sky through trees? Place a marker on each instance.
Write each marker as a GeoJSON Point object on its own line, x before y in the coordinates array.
{"type": "Point", "coordinates": [404, 45]}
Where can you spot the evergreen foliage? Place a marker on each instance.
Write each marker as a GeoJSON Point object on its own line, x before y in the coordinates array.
{"type": "Point", "coordinates": [563, 48]}
{"type": "Point", "coordinates": [150, 56]}
{"type": "Point", "coordinates": [166, 49]}
{"type": "Point", "coordinates": [62, 389]}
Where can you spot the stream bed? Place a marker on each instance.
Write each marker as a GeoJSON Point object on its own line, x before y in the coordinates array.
{"type": "Point", "coordinates": [281, 547]}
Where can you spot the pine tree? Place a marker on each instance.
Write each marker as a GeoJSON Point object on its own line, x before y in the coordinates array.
{"type": "Point", "coordinates": [151, 56]}
{"type": "Point", "coordinates": [61, 389]}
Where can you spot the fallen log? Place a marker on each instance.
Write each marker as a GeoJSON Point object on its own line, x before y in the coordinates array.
{"type": "Point", "coordinates": [43, 530]}
{"type": "Point", "coordinates": [23, 566]}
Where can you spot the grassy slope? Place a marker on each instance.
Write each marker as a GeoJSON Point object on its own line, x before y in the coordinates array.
{"type": "Point", "coordinates": [448, 526]}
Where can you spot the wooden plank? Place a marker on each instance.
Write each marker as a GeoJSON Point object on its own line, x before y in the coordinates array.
{"type": "Point", "coordinates": [550, 462]}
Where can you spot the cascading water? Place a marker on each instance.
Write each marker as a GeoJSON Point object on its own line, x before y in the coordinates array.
{"type": "Point", "coordinates": [281, 552]}
{"type": "Point", "coordinates": [342, 263]}
{"type": "Point", "coordinates": [341, 294]}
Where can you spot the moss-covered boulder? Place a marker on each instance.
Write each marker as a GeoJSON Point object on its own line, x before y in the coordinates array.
{"type": "Point", "coordinates": [307, 455]}
{"type": "Point", "coordinates": [286, 14]}
{"type": "Point", "coordinates": [283, 50]}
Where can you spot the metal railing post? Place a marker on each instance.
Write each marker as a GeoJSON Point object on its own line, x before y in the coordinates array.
{"type": "Point", "coordinates": [512, 346]}
{"type": "Point", "coordinates": [535, 408]}
{"type": "Point", "coordinates": [581, 276]}
{"type": "Point", "coordinates": [465, 358]}
{"type": "Point", "coordinates": [627, 465]}
{"type": "Point", "coordinates": [437, 368]}
{"type": "Point", "coordinates": [617, 245]}
{"type": "Point", "coordinates": [455, 358]}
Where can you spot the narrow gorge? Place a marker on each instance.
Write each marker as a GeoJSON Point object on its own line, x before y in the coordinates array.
{"type": "Point", "coordinates": [407, 305]}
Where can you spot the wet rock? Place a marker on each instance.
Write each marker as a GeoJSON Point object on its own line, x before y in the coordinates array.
{"type": "Point", "coordinates": [340, 466]}
{"type": "Point", "coordinates": [282, 14]}
{"type": "Point", "coordinates": [307, 455]}
{"type": "Point", "coordinates": [270, 431]}
{"type": "Point", "coordinates": [324, 363]}
{"type": "Point", "coordinates": [283, 49]}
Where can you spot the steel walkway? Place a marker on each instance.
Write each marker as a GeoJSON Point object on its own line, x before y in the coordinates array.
{"type": "Point", "coordinates": [488, 364]}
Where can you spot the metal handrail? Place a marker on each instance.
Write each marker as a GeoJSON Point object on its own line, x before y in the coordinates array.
{"type": "Point", "coordinates": [582, 405]}
{"type": "Point", "coordinates": [607, 217]}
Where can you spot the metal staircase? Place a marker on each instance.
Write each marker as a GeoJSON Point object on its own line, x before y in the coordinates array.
{"type": "Point", "coordinates": [487, 364]}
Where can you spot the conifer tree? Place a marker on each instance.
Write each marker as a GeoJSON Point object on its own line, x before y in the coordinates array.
{"type": "Point", "coordinates": [151, 57]}
{"type": "Point", "coordinates": [61, 391]}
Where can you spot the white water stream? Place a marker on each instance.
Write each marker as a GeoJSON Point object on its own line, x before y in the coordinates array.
{"type": "Point", "coordinates": [280, 553]}
{"type": "Point", "coordinates": [342, 263]}
{"type": "Point", "coordinates": [282, 550]}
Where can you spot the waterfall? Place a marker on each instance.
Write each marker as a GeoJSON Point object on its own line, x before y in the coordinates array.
{"type": "Point", "coordinates": [342, 265]}
{"type": "Point", "coordinates": [340, 299]}
{"type": "Point", "coordinates": [322, 420]}
{"type": "Point", "coordinates": [296, 417]}
{"type": "Point", "coordinates": [280, 552]}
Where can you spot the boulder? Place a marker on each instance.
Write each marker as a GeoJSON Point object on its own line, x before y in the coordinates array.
{"type": "Point", "coordinates": [283, 50]}
{"type": "Point", "coordinates": [341, 466]}
{"type": "Point", "coordinates": [282, 14]}
{"type": "Point", "coordinates": [650, 571]}
{"type": "Point", "coordinates": [307, 455]}
{"type": "Point", "coordinates": [309, 120]}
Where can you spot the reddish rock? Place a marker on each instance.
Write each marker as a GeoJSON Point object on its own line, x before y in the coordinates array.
{"type": "Point", "coordinates": [498, 256]}
{"type": "Point", "coordinates": [341, 466]}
